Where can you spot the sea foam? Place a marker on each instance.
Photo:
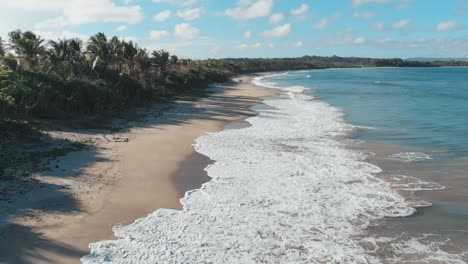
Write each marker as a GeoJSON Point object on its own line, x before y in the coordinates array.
{"type": "Point", "coordinates": [283, 190]}
{"type": "Point", "coordinates": [411, 156]}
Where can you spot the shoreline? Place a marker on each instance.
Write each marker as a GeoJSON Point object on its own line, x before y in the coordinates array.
{"type": "Point", "coordinates": [91, 191]}
{"type": "Point", "coordinates": [207, 208]}
{"type": "Point", "coordinates": [431, 197]}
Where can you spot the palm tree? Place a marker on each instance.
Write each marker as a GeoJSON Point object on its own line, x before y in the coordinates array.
{"type": "Point", "coordinates": [2, 48]}
{"type": "Point", "coordinates": [142, 62]}
{"type": "Point", "coordinates": [28, 46]}
{"type": "Point", "coordinates": [99, 50]}
{"type": "Point", "coordinates": [130, 54]}
{"type": "Point", "coordinates": [174, 59]}
{"type": "Point", "coordinates": [65, 55]}
{"type": "Point", "coordinates": [161, 61]}
{"type": "Point", "coordinates": [116, 52]}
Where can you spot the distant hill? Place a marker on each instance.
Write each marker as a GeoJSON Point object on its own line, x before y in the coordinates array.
{"type": "Point", "coordinates": [436, 59]}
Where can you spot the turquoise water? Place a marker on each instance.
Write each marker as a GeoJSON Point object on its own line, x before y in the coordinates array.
{"type": "Point", "coordinates": [420, 107]}
{"type": "Point", "coordinates": [414, 121]}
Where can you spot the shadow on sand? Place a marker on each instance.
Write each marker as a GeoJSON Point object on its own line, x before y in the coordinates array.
{"type": "Point", "coordinates": [20, 244]}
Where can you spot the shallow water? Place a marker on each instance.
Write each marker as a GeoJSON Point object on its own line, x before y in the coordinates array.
{"type": "Point", "coordinates": [424, 107]}
{"type": "Point", "coordinates": [412, 123]}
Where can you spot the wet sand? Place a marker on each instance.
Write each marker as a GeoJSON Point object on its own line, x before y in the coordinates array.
{"type": "Point", "coordinates": [91, 191]}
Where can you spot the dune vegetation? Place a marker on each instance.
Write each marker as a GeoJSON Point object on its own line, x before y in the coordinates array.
{"type": "Point", "coordinates": [64, 78]}
{"type": "Point", "coordinates": [68, 78]}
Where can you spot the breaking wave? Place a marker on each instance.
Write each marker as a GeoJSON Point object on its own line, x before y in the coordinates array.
{"type": "Point", "coordinates": [283, 190]}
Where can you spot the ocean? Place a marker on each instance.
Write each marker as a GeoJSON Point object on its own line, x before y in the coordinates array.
{"type": "Point", "coordinates": [413, 124]}
{"type": "Point", "coordinates": [343, 166]}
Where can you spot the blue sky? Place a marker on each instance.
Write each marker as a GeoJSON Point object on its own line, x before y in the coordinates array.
{"type": "Point", "coordinates": [256, 28]}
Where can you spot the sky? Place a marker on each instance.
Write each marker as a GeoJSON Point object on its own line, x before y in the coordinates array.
{"type": "Point", "coordinates": [255, 28]}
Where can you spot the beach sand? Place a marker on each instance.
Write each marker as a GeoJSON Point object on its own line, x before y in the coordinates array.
{"type": "Point", "coordinates": [126, 176]}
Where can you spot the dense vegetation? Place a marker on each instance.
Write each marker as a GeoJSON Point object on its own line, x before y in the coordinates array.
{"type": "Point", "coordinates": [68, 78]}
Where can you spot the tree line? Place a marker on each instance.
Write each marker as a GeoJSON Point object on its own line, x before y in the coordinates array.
{"type": "Point", "coordinates": [64, 78]}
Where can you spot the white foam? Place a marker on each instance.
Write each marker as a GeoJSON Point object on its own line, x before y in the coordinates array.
{"type": "Point", "coordinates": [411, 156]}
{"type": "Point", "coordinates": [366, 127]}
{"type": "Point", "coordinates": [260, 81]}
{"type": "Point", "coordinates": [283, 190]}
{"type": "Point", "coordinates": [409, 183]}
{"type": "Point", "coordinates": [423, 249]}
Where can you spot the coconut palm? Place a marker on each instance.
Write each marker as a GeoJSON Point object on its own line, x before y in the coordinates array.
{"type": "Point", "coordinates": [142, 62]}
{"type": "Point", "coordinates": [65, 55]}
{"type": "Point", "coordinates": [130, 54]}
{"type": "Point", "coordinates": [116, 47]}
{"type": "Point", "coordinates": [29, 48]}
{"type": "Point", "coordinates": [99, 51]}
{"type": "Point", "coordinates": [174, 59]}
{"type": "Point", "coordinates": [161, 60]}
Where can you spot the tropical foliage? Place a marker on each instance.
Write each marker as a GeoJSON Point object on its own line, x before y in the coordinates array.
{"type": "Point", "coordinates": [67, 77]}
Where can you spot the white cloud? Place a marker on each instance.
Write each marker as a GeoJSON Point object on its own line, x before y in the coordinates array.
{"type": "Point", "coordinates": [247, 46]}
{"type": "Point", "coordinates": [58, 22]}
{"type": "Point", "coordinates": [378, 26]}
{"type": "Point", "coordinates": [34, 5]}
{"type": "Point", "coordinates": [359, 40]}
{"type": "Point", "coordinates": [65, 34]}
{"type": "Point", "coordinates": [401, 24]}
{"type": "Point", "coordinates": [248, 10]}
{"type": "Point", "coordinates": [271, 45]}
{"type": "Point", "coordinates": [363, 15]}
{"type": "Point", "coordinates": [298, 44]}
{"type": "Point", "coordinates": [277, 32]}
{"type": "Point", "coordinates": [121, 28]}
{"type": "Point", "coordinates": [242, 46]}
{"type": "Point", "coordinates": [177, 2]}
{"type": "Point", "coordinates": [158, 34]}
{"type": "Point", "coordinates": [402, 6]}
{"type": "Point", "coordinates": [216, 50]}
{"type": "Point", "coordinates": [190, 14]}
{"type": "Point", "coordinates": [257, 45]}
{"type": "Point", "coordinates": [162, 16]}
{"type": "Point", "coordinates": [300, 10]}
{"type": "Point", "coordinates": [362, 2]}
{"type": "Point", "coordinates": [384, 40]}
{"type": "Point", "coordinates": [276, 18]}
{"type": "Point", "coordinates": [247, 34]}
{"type": "Point", "coordinates": [344, 37]}
{"type": "Point", "coordinates": [326, 21]}
{"type": "Point", "coordinates": [447, 25]}
{"type": "Point", "coordinates": [186, 31]}
{"type": "Point", "coordinates": [79, 12]}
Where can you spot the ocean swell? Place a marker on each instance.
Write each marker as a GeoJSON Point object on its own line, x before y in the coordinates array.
{"type": "Point", "coordinates": [283, 190]}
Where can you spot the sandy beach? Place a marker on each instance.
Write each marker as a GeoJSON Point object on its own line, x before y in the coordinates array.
{"type": "Point", "coordinates": [125, 176]}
